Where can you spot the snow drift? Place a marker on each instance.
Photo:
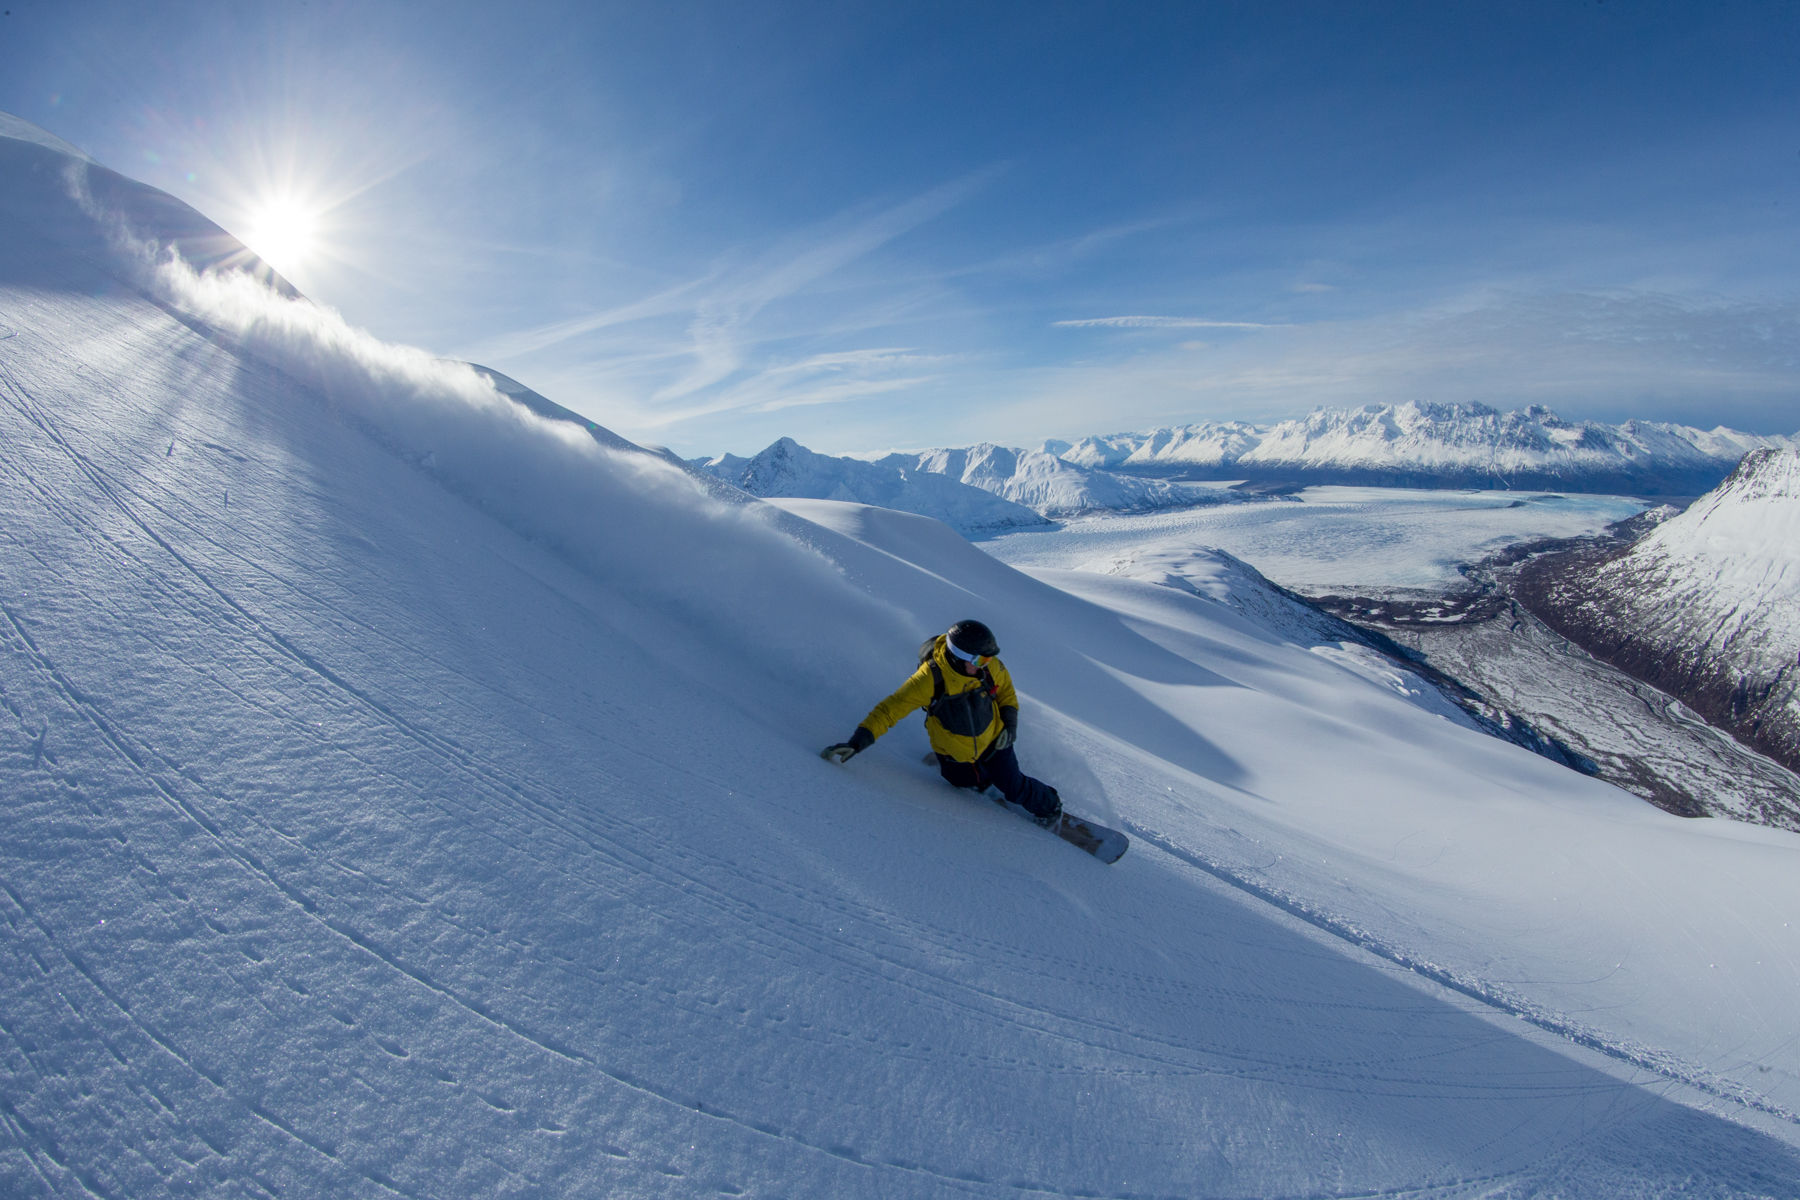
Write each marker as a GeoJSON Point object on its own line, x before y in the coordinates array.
{"type": "Point", "coordinates": [407, 793]}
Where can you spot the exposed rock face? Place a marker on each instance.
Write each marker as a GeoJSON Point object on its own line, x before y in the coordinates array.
{"type": "Point", "coordinates": [1705, 607]}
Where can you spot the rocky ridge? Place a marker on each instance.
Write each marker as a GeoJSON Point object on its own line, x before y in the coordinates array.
{"type": "Point", "coordinates": [1705, 607]}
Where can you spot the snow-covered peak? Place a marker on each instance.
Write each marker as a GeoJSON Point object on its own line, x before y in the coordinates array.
{"type": "Point", "coordinates": [1463, 435]}
{"type": "Point", "coordinates": [788, 469]}
{"type": "Point", "coordinates": [1706, 606]}
{"type": "Point", "coordinates": [1052, 485]}
{"type": "Point", "coordinates": [1208, 444]}
{"type": "Point", "coordinates": [1744, 536]}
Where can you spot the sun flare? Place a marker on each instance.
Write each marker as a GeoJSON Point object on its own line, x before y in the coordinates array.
{"type": "Point", "coordinates": [283, 232]}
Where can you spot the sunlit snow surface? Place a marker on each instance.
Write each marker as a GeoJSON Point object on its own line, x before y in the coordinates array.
{"type": "Point", "coordinates": [1331, 537]}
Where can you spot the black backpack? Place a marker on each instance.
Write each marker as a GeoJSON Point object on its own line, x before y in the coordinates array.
{"type": "Point", "coordinates": [965, 714]}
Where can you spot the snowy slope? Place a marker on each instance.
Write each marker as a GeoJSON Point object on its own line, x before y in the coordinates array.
{"type": "Point", "coordinates": [1442, 445]}
{"type": "Point", "coordinates": [407, 793]}
{"type": "Point", "coordinates": [788, 469]}
{"type": "Point", "coordinates": [1706, 606]}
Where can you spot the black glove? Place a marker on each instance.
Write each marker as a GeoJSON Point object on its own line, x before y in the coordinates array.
{"type": "Point", "coordinates": [843, 752]}
{"type": "Point", "coordinates": [1009, 728]}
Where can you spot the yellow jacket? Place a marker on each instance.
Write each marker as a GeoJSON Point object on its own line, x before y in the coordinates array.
{"type": "Point", "coordinates": [965, 722]}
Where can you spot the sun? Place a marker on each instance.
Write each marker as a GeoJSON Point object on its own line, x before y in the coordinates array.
{"type": "Point", "coordinates": [283, 232]}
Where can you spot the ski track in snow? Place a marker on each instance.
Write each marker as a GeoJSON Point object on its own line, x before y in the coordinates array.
{"type": "Point", "coordinates": [1645, 1058]}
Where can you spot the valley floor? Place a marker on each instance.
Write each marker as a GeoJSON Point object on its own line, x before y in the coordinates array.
{"type": "Point", "coordinates": [1638, 738]}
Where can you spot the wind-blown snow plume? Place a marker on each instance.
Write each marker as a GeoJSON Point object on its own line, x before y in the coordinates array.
{"type": "Point", "coordinates": [634, 520]}
{"type": "Point", "coordinates": [687, 553]}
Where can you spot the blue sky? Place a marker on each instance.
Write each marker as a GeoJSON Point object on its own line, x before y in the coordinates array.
{"type": "Point", "coordinates": [900, 225]}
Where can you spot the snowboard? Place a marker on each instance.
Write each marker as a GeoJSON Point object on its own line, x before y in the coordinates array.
{"type": "Point", "coordinates": [1107, 845]}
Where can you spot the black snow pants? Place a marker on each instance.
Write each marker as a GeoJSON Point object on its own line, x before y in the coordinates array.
{"type": "Point", "coordinates": [1001, 768]}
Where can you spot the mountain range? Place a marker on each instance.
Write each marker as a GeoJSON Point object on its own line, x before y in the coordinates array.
{"type": "Point", "coordinates": [1408, 445]}
{"type": "Point", "coordinates": [1436, 445]}
{"type": "Point", "coordinates": [979, 489]}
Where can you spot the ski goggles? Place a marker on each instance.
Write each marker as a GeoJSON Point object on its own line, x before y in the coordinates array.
{"type": "Point", "coordinates": [980, 660]}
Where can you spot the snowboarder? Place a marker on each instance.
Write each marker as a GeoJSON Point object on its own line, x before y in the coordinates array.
{"type": "Point", "coordinates": [971, 715]}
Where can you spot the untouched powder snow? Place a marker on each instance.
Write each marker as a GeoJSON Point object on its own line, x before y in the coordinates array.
{"type": "Point", "coordinates": [407, 794]}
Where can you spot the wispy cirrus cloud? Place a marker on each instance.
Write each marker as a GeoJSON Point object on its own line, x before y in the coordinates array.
{"type": "Point", "coordinates": [720, 326]}
{"type": "Point", "coordinates": [816, 379]}
{"type": "Point", "coordinates": [1162, 323]}
{"type": "Point", "coordinates": [518, 343]}
{"type": "Point", "coordinates": [736, 337]}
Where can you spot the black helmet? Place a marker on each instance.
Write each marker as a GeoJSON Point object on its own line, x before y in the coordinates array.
{"type": "Point", "coordinates": [973, 639]}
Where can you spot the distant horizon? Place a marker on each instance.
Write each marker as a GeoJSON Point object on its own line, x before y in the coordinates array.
{"type": "Point", "coordinates": [707, 226]}
{"type": "Point", "coordinates": [872, 455]}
